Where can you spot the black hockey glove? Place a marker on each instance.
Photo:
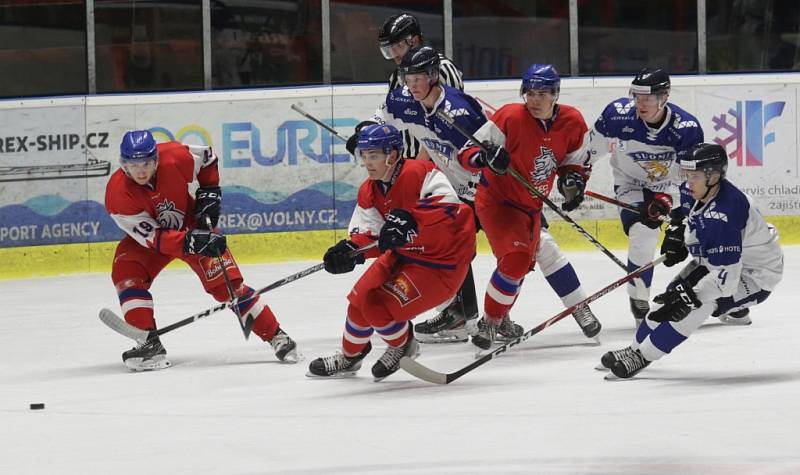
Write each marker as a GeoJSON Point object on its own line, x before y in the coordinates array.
{"type": "Point", "coordinates": [400, 228]}
{"type": "Point", "coordinates": [493, 156]}
{"type": "Point", "coordinates": [676, 303]}
{"type": "Point", "coordinates": [339, 259]}
{"type": "Point", "coordinates": [204, 242]}
{"type": "Point", "coordinates": [571, 186]}
{"type": "Point", "coordinates": [207, 203]}
{"type": "Point", "coordinates": [655, 206]}
{"type": "Point", "coordinates": [673, 246]}
{"type": "Point", "coordinates": [353, 140]}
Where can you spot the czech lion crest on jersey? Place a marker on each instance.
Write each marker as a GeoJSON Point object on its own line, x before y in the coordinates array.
{"type": "Point", "coordinates": [169, 217]}
{"type": "Point", "coordinates": [543, 167]}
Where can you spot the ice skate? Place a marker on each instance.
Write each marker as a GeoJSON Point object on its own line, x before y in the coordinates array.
{"type": "Point", "coordinates": [629, 366]}
{"type": "Point", "coordinates": [492, 331]}
{"type": "Point", "coordinates": [589, 324]}
{"type": "Point", "coordinates": [149, 355]}
{"type": "Point", "coordinates": [285, 348]}
{"type": "Point", "coordinates": [740, 317]}
{"type": "Point", "coordinates": [639, 309]}
{"type": "Point", "coordinates": [338, 365]}
{"type": "Point", "coordinates": [449, 326]}
{"type": "Point", "coordinates": [611, 357]}
{"type": "Point", "coordinates": [389, 362]}
{"type": "Point", "coordinates": [508, 330]}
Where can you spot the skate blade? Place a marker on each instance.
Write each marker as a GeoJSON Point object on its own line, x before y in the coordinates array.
{"type": "Point", "coordinates": [481, 352]}
{"type": "Point", "coordinates": [292, 357]}
{"type": "Point", "coordinates": [137, 365]}
{"type": "Point", "coordinates": [342, 375]}
{"type": "Point", "coordinates": [440, 338]}
{"type": "Point", "coordinates": [594, 340]}
{"type": "Point", "coordinates": [735, 322]}
{"type": "Point", "coordinates": [614, 377]}
{"type": "Point", "coordinates": [600, 367]}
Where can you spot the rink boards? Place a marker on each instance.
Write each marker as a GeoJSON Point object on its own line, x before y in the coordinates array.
{"type": "Point", "coordinates": [290, 187]}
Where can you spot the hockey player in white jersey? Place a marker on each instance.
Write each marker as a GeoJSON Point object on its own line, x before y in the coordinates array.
{"type": "Point", "coordinates": [397, 35]}
{"type": "Point", "coordinates": [414, 108]}
{"type": "Point", "coordinates": [736, 262]}
{"type": "Point", "coordinates": [646, 135]}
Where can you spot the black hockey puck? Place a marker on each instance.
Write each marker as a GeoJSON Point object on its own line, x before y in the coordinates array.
{"type": "Point", "coordinates": [37, 405]}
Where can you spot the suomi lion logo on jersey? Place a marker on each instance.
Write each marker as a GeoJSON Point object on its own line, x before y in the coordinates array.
{"type": "Point", "coordinates": [543, 167]}
{"type": "Point", "coordinates": [168, 216]}
{"type": "Point", "coordinates": [656, 165]}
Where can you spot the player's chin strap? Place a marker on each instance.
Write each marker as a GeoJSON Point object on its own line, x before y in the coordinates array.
{"type": "Point", "coordinates": [424, 373]}
{"type": "Point", "coordinates": [113, 321]}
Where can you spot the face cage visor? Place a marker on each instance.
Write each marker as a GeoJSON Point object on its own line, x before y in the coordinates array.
{"type": "Point", "coordinates": [646, 97]}
{"type": "Point", "coordinates": [390, 50]}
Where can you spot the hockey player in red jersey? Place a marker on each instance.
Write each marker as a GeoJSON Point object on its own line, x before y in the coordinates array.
{"type": "Point", "coordinates": [148, 197]}
{"type": "Point", "coordinates": [426, 240]}
{"type": "Point", "coordinates": [540, 138]}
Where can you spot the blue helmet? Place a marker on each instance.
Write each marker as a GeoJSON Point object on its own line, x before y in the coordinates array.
{"type": "Point", "coordinates": [138, 146]}
{"type": "Point", "coordinates": [381, 137]}
{"type": "Point", "coordinates": [541, 76]}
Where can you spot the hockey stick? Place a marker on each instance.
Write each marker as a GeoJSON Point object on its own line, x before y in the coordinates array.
{"type": "Point", "coordinates": [621, 204]}
{"type": "Point", "coordinates": [443, 115]}
{"type": "Point", "coordinates": [424, 373]}
{"type": "Point", "coordinates": [246, 326]}
{"type": "Point", "coordinates": [113, 321]}
{"type": "Point", "coordinates": [318, 122]}
{"type": "Point", "coordinates": [612, 201]}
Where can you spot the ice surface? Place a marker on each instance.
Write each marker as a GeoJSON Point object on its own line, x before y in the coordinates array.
{"type": "Point", "coordinates": [726, 402]}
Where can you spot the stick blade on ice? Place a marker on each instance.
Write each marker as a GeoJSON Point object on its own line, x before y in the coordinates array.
{"type": "Point", "coordinates": [120, 326]}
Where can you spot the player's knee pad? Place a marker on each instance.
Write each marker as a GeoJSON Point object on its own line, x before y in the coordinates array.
{"type": "Point", "coordinates": [375, 310]}
{"type": "Point", "coordinates": [642, 243]}
{"type": "Point", "coordinates": [355, 315]}
{"type": "Point", "coordinates": [129, 274]}
{"type": "Point", "coordinates": [220, 293]}
{"type": "Point", "coordinates": [549, 256]}
{"type": "Point", "coordinates": [515, 265]}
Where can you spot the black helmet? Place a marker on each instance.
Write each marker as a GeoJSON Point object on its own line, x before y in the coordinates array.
{"type": "Point", "coordinates": [709, 157]}
{"type": "Point", "coordinates": [650, 81]}
{"type": "Point", "coordinates": [420, 59]}
{"type": "Point", "coordinates": [397, 28]}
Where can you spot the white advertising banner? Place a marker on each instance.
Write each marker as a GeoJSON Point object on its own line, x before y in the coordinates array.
{"type": "Point", "coordinates": [283, 172]}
